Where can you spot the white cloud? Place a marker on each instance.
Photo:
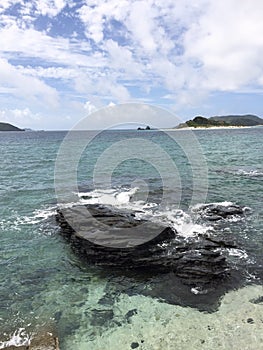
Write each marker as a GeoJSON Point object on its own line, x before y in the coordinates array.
{"type": "Point", "coordinates": [132, 49]}
{"type": "Point", "coordinates": [29, 88]}
{"type": "Point", "coordinates": [154, 33]}
{"type": "Point", "coordinates": [95, 14]}
{"type": "Point", "coordinates": [89, 107]}
{"type": "Point", "coordinates": [48, 7]}
{"type": "Point", "coordinates": [142, 25]}
{"type": "Point", "coordinates": [5, 4]}
{"type": "Point", "coordinates": [94, 23]}
{"type": "Point", "coordinates": [121, 59]}
{"type": "Point", "coordinates": [50, 72]}
{"type": "Point", "coordinates": [20, 117]}
{"type": "Point", "coordinates": [227, 44]}
{"type": "Point", "coordinates": [31, 43]}
{"type": "Point", "coordinates": [127, 115]}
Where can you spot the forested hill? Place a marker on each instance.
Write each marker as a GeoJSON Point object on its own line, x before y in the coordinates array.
{"type": "Point", "coordinates": [242, 120]}
{"type": "Point", "coordinates": [9, 127]}
{"type": "Point", "coordinates": [228, 120]}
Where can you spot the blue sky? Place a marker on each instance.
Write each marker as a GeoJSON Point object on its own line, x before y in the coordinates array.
{"type": "Point", "coordinates": [63, 59]}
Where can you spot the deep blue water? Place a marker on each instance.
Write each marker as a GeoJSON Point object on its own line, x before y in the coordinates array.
{"type": "Point", "coordinates": [42, 282]}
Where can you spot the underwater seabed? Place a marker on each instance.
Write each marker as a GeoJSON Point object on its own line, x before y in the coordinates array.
{"type": "Point", "coordinates": [149, 324]}
{"type": "Point", "coordinates": [153, 325]}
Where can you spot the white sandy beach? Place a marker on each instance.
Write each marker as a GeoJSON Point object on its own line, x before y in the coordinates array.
{"type": "Point", "coordinates": [211, 128]}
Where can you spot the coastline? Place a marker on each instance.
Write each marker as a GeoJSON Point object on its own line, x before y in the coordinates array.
{"type": "Point", "coordinates": [211, 128]}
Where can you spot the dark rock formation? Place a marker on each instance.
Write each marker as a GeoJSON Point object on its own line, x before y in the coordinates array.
{"type": "Point", "coordinates": [258, 300]}
{"type": "Point", "coordinates": [108, 237]}
{"type": "Point", "coordinates": [143, 257]}
{"type": "Point", "coordinates": [214, 212]}
{"type": "Point", "coordinates": [147, 128]}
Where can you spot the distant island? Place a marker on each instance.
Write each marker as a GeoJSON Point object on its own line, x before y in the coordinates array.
{"type": "Point", "coordinates": [225, 121]}
{"type": "Point", "coordinates": [147, 128]}
{"type": "Point", "coordinates": [9, 127]}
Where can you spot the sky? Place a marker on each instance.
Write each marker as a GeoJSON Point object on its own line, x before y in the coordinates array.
{"type": "Point", "coordinates": [61, 60]}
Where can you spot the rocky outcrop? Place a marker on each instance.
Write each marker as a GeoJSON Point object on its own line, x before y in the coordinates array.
{"type": "Point", "coordinates": [215, 211]}
{"type": "Point", "coordinates": [108, 237]}
{"type": "Point", "coordinates": [147, 128]}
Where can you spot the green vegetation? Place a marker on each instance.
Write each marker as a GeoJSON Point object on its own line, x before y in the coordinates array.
{"type": "Point", "coordinates": [229, 120]}
{"type": "Point", "coordinates": [240, 120]}
{"type": "Point", "coordinates": [204, 122]}
{"type": "Point", "coordinates": [9, 127]}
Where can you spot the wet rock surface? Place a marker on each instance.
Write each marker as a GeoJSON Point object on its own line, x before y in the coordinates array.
{"type": "Point", "coordinates": [113, 238]}
{"type": "Point", "coordinates": [193, 271]}
{"type": "Point", "coordinates": [44, 341]}
{"type": "Point", "coordinates": [215, 212]}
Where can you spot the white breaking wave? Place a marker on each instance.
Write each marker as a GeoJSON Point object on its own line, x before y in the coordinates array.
{"type": "Point", "coordinates": [177, 219]}
{"type": "Point", "coordinates": [244, 172]}
{"type": "Point", "coordinates": [201, 206]}
{"type": "Point", "coordinates": [124, 198]}
{"type": "Point", "coordinates": [110, 197]}
{"type": "Point", "coordinates": [38, 216]}
{"type": "Point", "coordinates": [16, 221]}
{"type": "Point", "coordinates": [250, 173]}
{"type": "Point", "coordinates": [19, 338]}
{"type": "Point", "coordinates": [242, 254]}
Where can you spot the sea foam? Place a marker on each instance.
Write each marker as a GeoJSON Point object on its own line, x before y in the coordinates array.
{"type": "Point", "coordinates": [175, 218]}
{"type": "Point", "coordinates": [19, 338]}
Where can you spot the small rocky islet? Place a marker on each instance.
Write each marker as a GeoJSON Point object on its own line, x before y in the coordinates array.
{"type": "Point", "coordinates": [192, 272]}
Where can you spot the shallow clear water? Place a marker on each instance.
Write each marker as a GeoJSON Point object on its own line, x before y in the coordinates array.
{"type": "Point", "coordinates": [44, 284]}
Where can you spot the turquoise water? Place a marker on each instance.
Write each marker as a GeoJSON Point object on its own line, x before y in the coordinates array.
{"type": "Point", "coordinates": [44, 284]}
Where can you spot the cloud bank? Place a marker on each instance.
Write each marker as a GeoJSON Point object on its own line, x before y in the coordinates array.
{"type": "Point", "coordinates": [57, 56]}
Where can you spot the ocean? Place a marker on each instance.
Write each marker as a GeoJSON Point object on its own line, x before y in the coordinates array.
{"type": "Point", "coordinates": [164, 176]}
